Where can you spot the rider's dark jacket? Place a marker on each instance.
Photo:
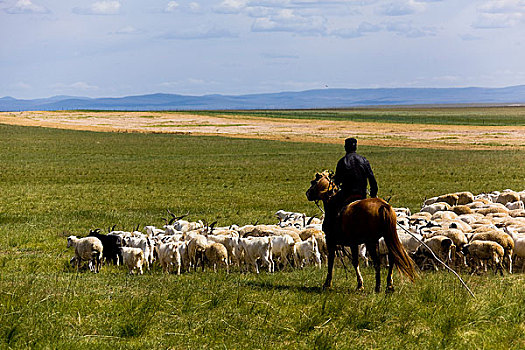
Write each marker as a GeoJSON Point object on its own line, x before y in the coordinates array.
{"type": "Point", "coordinates": [351, 175]}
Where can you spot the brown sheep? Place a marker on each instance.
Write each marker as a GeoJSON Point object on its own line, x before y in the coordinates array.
{"type": "Point", "coordinates": [461, 209]}
{"type": "Point", "coordinates": [492, 210]}
{"type": "Point", "coordinates": [481, 250]}
{"type": "Point", "coordinates": [502, 238]}
{"type": "Point", "coordinates": [421, 215]}
{"type": "Point", "coordinates": [464, 197]}
{"type": "Point", "coordinates": [450, 198]}
{"type": "Point", "coordinates": [216, 254]}
{"type": "Point", "coordinates": [507, 197]}
{"type": "Point", "coordinates": [517, 213]}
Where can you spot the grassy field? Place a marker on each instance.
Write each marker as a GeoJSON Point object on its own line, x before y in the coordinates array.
{"type": "Point", "coordinates": [56, 182]}
{"type": "Point", "coordinates": [415, 115]}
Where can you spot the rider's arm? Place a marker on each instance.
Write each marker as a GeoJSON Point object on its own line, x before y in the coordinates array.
{"type": "Point", "coordinates": [372, 181]}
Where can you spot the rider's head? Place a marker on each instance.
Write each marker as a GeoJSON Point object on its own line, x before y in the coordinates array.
{"type": "Point", "coordinates": [350, 144]}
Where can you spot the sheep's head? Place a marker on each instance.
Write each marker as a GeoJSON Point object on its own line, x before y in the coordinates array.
{"type": "Point", "coordinates": [71, 241]}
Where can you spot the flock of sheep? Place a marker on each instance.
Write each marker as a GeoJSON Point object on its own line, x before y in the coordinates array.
{"type": "Point", "coordinates": [467, 231]}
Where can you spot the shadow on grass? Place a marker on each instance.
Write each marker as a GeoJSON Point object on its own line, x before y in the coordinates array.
{"type": "Point", "coordinates": [278, 286]}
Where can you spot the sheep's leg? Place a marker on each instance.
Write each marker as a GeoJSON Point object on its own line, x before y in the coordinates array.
{"type": "Point", "coordinates": [509, 258]}
{"type": "Point", "coordinates": [267, 262]}
{"type": "Point", "coordinates": [271, 265]}
{"type": "Point", "coordinates": [284, 259]}
{"type": "Point", "coordinates": [296, 259]}
{"type": "Point", "coordinates": [355, 263]}
{"type": "Point", "coordinates": [99, 263]}
{"type": "Point", "coordinates": [318, 260]}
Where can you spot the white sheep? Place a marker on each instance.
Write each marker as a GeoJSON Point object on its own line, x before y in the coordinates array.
{"type": "Point", "coordinates": [435, 207]}
{"type": "Point", "coordinates": [443, 247]}
{"type": "Point", "coordinates": [143, 242]}
{"type": "Point", "coordinates": [169, 256]}
{"type": "Point", "coordinates": [515, 205]}
{"type": "Point", "coordinates": [133, 258]}
{"type": "Point", "coordinates": [306, 252]}
{"type": "Point", "coordinates": [255, 248]}
{"type": "Point", "coordinates": [282, 248]}
{"type": "Point", "coordinates": [87, 249]}
{"type": "Point", "coordinates": [197, 244]}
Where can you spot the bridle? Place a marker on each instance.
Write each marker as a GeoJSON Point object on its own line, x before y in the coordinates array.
{"type": "Point", "coordinates": [331, 191]}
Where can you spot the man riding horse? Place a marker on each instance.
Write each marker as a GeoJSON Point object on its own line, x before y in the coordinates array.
{"type": "Point", "coordinates": [352, 219]}
{"type": "Point", "coordinates": [352, 174]}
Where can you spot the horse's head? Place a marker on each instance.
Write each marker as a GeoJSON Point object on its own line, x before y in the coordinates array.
{"type": "Point", "coordinates": [322, 187]}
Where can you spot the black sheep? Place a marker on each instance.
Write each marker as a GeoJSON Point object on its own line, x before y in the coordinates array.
{"type": "Point", "coordinates": [111, 244]}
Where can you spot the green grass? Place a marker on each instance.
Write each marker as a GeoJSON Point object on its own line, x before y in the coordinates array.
{"type": "Point", "coordinates": [415, 115]}
{"type": "Point", "coordinates": [56, 182]}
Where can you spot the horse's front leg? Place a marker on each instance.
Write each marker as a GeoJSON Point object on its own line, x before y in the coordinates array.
{"type": "Point", "coordinates": [331, 257]}
{"type": "Point", "coordinates": [355, 262]}
{"type": "Point", "coordinates": [373, 249]}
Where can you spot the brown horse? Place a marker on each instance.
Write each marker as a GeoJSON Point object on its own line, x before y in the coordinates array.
{"type": "Point", "coordinates": [363, 221]}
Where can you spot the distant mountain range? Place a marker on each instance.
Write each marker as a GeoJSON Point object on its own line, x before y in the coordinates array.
{"type": "Point", "coordinates": [325, 98]}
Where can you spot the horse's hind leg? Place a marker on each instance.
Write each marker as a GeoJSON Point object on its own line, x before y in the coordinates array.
{"type": "Point", "coordinates": [373, 250]}
{"type": "Point", "coordinates": [355, 262]}
{"type": "Point", "coordinates": [389, 277]}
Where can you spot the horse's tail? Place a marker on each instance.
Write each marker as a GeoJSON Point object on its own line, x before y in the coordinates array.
{"type": "Point", "coordinates": [404, 263]}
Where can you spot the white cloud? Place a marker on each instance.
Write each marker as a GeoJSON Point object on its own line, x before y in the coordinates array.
{"type": "Point", "coordinates": [172, 6]}
{"type": "Point", "coordinates": [500, 14]}
{"type": "Point", "coordinates": [286, 20]}
{"type": "Point", "coordinates": [231, 6]}
{"type": "Point", "coordinates": [199, 33]}
{"type": "Point", "coordinates": [191, 7]}
{"type": "Point", "coordinates": [408, 30]}
{"type": "Point", "coordinates": [99, 8]}
{"type": "Point", "coordinates": [26, 7]}
{"type": "Point", "coordinates": [401, 8]}
{"type": "Point", "coordinates": [194, 7]}
{"type": "Point", "coordinates": [503, 6]}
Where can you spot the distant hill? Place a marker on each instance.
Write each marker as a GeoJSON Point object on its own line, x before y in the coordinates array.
{"type": "Point", "coordinates": [325, 98]}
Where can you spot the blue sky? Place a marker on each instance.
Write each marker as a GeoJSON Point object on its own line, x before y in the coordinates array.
{"type": "Point", "coordinates": [130, 47]}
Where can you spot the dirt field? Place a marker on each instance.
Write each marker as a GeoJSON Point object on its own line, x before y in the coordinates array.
{"type": "Point", "coordinates": [294, 130]}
